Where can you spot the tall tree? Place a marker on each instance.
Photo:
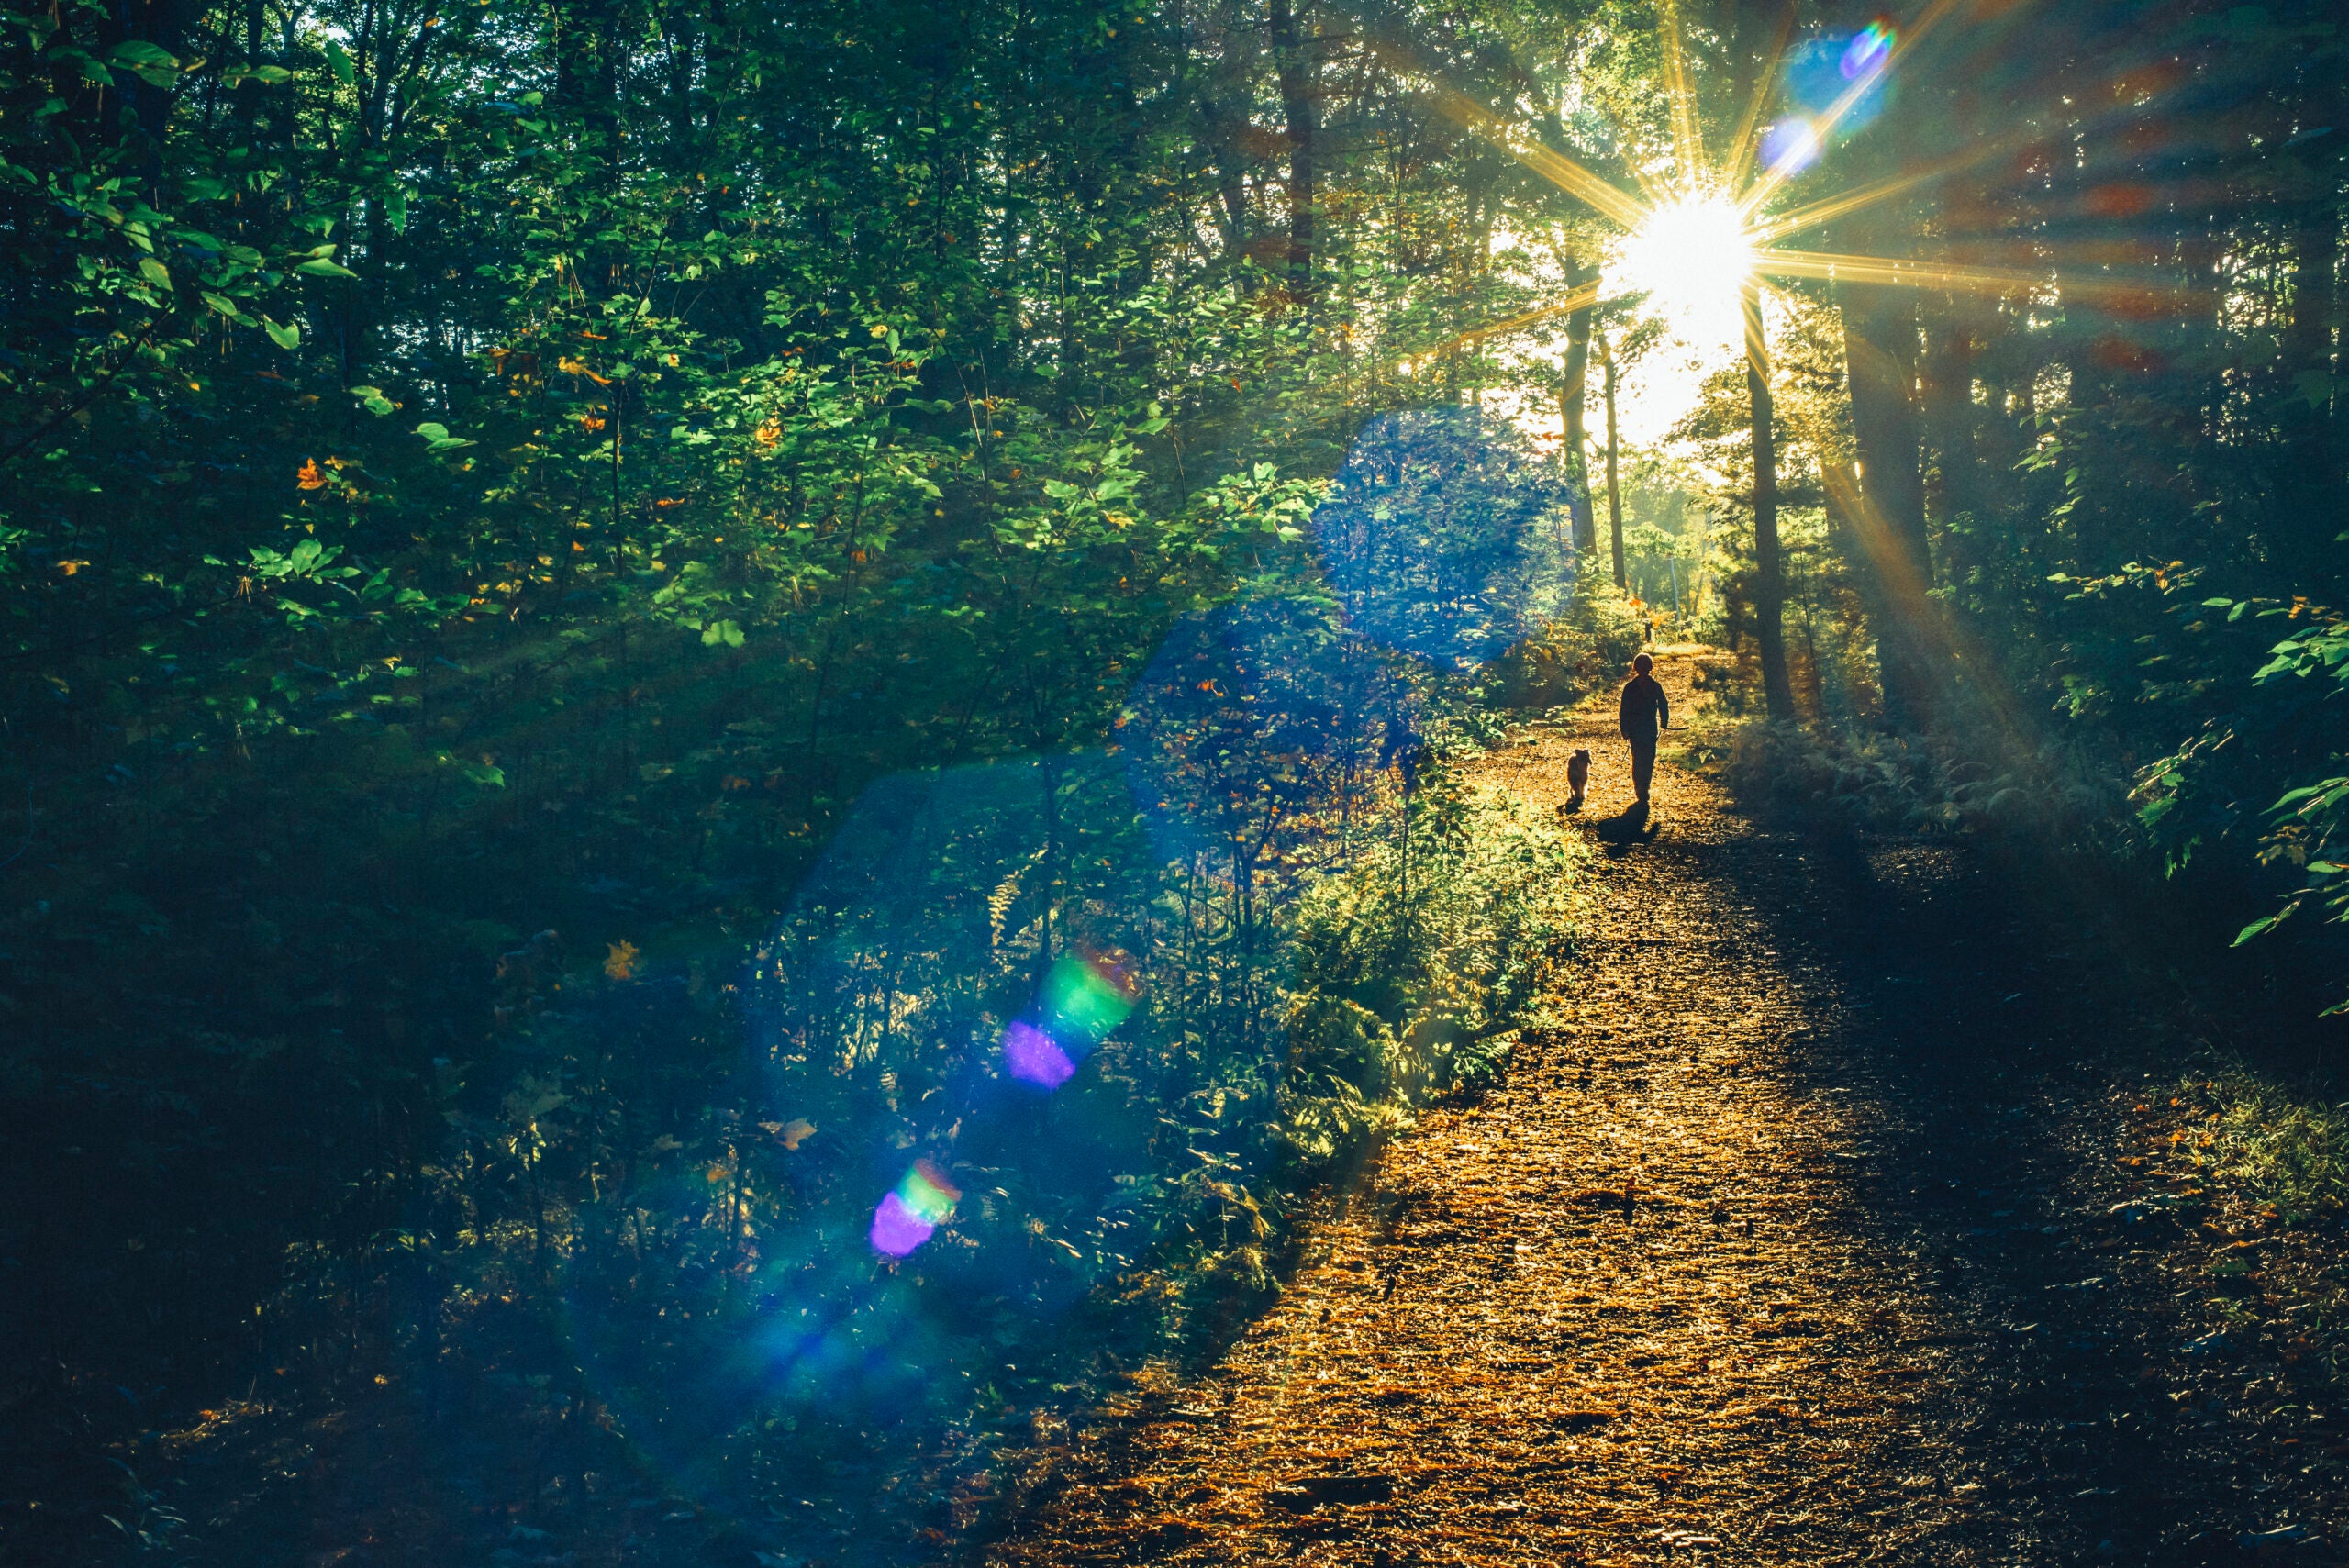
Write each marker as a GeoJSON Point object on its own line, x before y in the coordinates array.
{"type": "Point", "coordinates": [1769, 566]}
{"type": "Point", "coordinates": [1879, 344]}
{"type": "Point", "coordinates": [1573, 398]}
{"type": "Point", "coordinates": [1614, 478]}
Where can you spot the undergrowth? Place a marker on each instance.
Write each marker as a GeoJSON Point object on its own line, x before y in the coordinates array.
{"type": "Point", "coordinates": [1588, 646]}
{"type": "Point", "coordinates": [2270, 1145]}
{"type": "Point", "coordinates": [1932, 783]}
{"type": "Point", "coordinates": [1414, 969]}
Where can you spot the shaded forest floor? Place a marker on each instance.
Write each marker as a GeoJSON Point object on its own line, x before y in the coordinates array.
{"type": "Point", "coordinates": [1846, 1215]}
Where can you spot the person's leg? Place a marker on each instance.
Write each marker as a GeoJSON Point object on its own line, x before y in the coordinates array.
{"type": "Point", "coordinates": [1642, 768]}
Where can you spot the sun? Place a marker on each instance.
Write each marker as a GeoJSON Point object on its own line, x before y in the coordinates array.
{"type": "Point", "coordinates": [1693, 256]}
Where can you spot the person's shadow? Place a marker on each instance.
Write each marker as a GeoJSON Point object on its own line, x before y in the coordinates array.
{"type": "Point", "coordinates": [1628, 829]}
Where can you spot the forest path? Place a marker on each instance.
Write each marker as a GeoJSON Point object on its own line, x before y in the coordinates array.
{"type": "Point", "coordinates": [1791, 1245]}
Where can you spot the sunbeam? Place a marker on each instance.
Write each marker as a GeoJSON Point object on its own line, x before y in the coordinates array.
{"type": "Point", "coordinates": [1609, 201]}
{"type": "Point", "coordinates": [1688, 146]}
{"type": "Point", "coordinates": [1589, 294]}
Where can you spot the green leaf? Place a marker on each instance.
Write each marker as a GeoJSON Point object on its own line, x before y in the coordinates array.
{"type": "Point", "coordinates": [721, 631]}
{"type": "Point", "coordinates": [289, 337]}
{"type": "Point", "coordinates": [319, 267]}
{"type": "Point", "coordinates": [222, 304]}
{"type": "Point", "coordinates": [437, 434]}
{"type": "Point", "coordinates": [339, 63]}
{"type": "Point", "coordinates": [154, 271]}
{"type": "Point", "coordinates": [2262, 926]}
{"type": "Point", "coordinates": [269, 75]}
{"type": "Point", "coordinates": [152, 63]}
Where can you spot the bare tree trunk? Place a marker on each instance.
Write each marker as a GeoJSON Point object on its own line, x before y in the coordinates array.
{"type": "Point", "coordinates": [1888, 517]}
{"type": "Point", "coordinates": [1614, 481]}
{"type": "Point", "coordinates": [1769, 574]}
{"type": "Point", "coordinates": [1295, 69]}
{"type": "Point", "coordinates": [1570, 410]}
{"type": "Point", "coordinates": [2312, 510]}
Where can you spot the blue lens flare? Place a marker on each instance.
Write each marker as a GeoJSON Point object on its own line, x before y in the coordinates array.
{"type": "Point", "coordinates": [1844, 76]}
{"type": "Point", "coordinates": [1256, 728]}
{"type": "Point", "coordinates": [966, 975]}
{"type": "Point", "coordinates": [1789, 146]}
{"type": "Point", "coordinates": [1442, 537]}
{"type": "Point", "coordinates": [1869, 51]}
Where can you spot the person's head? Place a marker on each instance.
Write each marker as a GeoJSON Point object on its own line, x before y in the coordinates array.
{"type": "Point", "coordinates": [1643, 663]}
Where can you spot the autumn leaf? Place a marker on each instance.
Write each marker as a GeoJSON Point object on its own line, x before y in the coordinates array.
{"type": "Point", "coordinates": [796, 1132]}
{"type": "Point", "coordinates": [620, 961]}
{"type": "Point", "coordinates": [769, 433]}
{"type": "Point", "coordinates": [308, 477]}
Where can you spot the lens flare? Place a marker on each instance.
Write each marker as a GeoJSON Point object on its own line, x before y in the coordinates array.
{"type": "Point", "coordinates": [1790, 146]}
{"type": "Point", "coordinates": [1087, 994]}
{"type": "Point", "coordinates": [1082, 1000]}
{"type": "Point", "coordinates": [1030, 1055]}
{"type": "Point", "coordinates": [1869, 49]}
{"type": "Point", "coordinates": [1691, 258]}
{"type": "Point", "coordinates": [911, 1215]}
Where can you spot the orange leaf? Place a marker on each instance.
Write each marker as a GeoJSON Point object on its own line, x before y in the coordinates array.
{"type": "Point", "coordinates": [308, 477]}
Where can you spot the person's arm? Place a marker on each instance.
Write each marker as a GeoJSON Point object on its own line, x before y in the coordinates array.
{"type": "Point", "coordinates": [1663, 707]}
{"type": "Point", "coordinates": [1623, 710]}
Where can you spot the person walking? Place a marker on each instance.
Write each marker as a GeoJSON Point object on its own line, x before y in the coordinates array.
{"type": "Point", "coordinates": [1645, 711]}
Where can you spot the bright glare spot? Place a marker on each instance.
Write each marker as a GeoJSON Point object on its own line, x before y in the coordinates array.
{"type": "Point", "coordinates": [1692, 258]}
{"type": "Point", "coordinates": [1790, 146]}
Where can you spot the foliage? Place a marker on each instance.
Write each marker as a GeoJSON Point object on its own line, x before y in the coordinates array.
{"type": "Point", "coordinates": [2270, 1144]}
{"type": "Point", "coordinates": [1933, 784]}
{"type": "Point", "coordinates": [1414, 967]}
{"type": "Point", "coordinates": [1573, 653]}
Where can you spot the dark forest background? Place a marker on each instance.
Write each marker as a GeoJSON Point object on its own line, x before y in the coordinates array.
{"type": "Point", "coordinates": [489, 489]}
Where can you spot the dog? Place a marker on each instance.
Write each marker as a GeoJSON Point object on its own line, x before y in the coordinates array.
{"type": "Point", "coordinates": [1578, 778]}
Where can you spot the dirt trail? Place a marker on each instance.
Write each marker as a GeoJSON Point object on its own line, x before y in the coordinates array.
{"type": "Point", "coordinates": [1791, 1246]}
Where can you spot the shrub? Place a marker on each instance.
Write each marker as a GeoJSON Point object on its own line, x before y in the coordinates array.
{"type": "Point", "coordinates": [1414, 967]}
{"type": "Point", "coordinates": [1582, 650]}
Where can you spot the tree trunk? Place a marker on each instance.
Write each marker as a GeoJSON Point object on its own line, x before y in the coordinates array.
{"type": "Point", "coordinates": [1614, 481]}
{"type": "Point", "coordinates": [1295, 69]}
{"type": "Point", "coordinates": [2312, 511]}
{"type": "Point", "coordinates": [1575, 454]}
{"type": "Point", "coordinates": [1769, 573]}
{"type": "Point", "coordinates": [1880, 355]}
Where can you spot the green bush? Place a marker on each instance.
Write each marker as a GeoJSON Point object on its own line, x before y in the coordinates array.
{"type": "Point", "coordinates": [1577, 654]}
{"type": "Point", "coordinates": [1930, 783]}
{"type": "Point", "coordinates": [1414, 967]}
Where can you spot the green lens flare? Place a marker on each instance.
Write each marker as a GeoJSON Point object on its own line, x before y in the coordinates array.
{"type": "Point", "coordinates": [1087, 995]}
